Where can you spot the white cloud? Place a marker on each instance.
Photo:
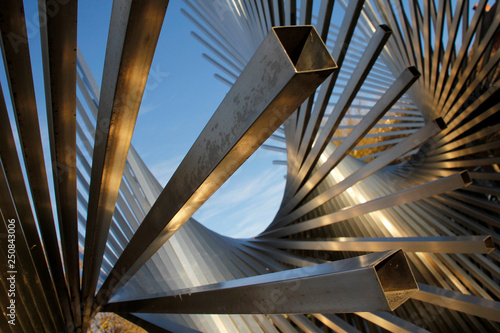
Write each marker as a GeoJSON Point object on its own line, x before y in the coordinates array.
{"type": "Point", "coordinates": [165, 169]}
{"type": "Point", "coordinates": [245, 206]}
{"type": "Point", "coordinates": [147, 108]}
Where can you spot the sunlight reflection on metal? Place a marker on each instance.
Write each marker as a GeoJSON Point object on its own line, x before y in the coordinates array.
{"type": "Point", "coordinates": [402, 180]}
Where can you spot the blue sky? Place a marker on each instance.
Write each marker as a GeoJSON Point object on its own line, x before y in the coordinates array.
{"type": "Point", "coordinates": [181, 96]}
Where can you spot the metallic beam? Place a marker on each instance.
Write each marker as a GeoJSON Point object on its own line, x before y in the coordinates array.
{"type": "Point", "coordinates": [411, 194]}
{"type": "Point", "coordinates": [287, 67]}
{"type": "Point", "coordinates": [58, 34]}
{"type": "Point", "coordinates": [17, 62]}
{"type": "Point", "coordinates": [391, 322]}
{"type": "Point", "coordinates": [375, 282]}
{"type": "Point", "coordinates": [14, 175]}
{"type": "Point", "coordinates": [25, 276]}
{"type": "Point", "coordinates": [335, 323]}
{"type": "Point", "coordinates": [339, 52]}
{"type": "Point", "coordinates": [436, 244]}
{"type": "Point", "coordinates": [22, 320]}
{"type": "Point", "coordinates": [303, 323]}
{"type": "Point", "coordinates": [281, 322]}
{"type": "Point", "coordinates": [134, 30]}
{"type": "Point", "coordinates": [371, 54]}
{"type": "Point", "coordinates": [453, 300]}
{"type": "Point", "coordinates": [403, 83]}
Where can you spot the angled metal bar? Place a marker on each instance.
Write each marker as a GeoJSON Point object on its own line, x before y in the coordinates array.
{"type": "Point", "coordinates": [219, 54]}
{"type": "Point", "coordinates": [284, 257]}
{"type": "Point", "coordinates": [281, 322]}
{"type": "Point", "coordinates": [391, 20]}
{"type": "Point", "coordinates": [371, 54]}
{"type": "Point", "coordinates": [485, 175]}
{"type": "Point", "coordinates": [427, 48]}
{"type": "Point", "coordinates": [394, 125]}
{"type": "Point", "coordinates": [377, 145]}
{"type": "Point", "coordinates": [453, 144]}
{"type": "Point", "coordinates": [292, 139]}
{"type": "Point", "coordinates": [463, 220]}
{"type": "Point", "coordinates": [335, 323]}
{"type": "Point", "coordinates": [58, 34]}
{"type": "Point", "coordinates": [339, 52]}
{"type": "Point", "coordinates": [470, 210]}
{"type": "Point", "coordinates": [266, 7]}
{"type": "Point", "coordinates": [383, 281]}
{"type": "Point", "coordinates": [400, 86]}
{"type": "Point", "coordinates": [303, 323]}
{"type": "Point", "coordinates": [463, 163]}
{"type": "Point", "coordinates": [291, 12]}
{"type": "Point", "coordinates": [454, 120]}
{"type": "Point", "coordinates": [485, 190]}
{"type": "Point", "coordinates": [274, 148]}
{"type": "Point", "coordinates": [302, 120]}
{"type": "Point", "coordinates": [220, 40]}
{"type": "Point", "coordinates": [278, 138]}
{"type": "Point", "coordinates": [451, 88]}
{"type": "Point", "coordinates": [445, 75]}
{"type": "Point", "coordinates": [221, 67]}
{"type": "Point", "coordinates": [407, 33]}
{"type": "Point", "coordinates": [325, 16]}
{"type": "Point", "coordinates": [391, 322]}
{"type": "Point", "coordinates": [464, 152]}
{"type": "Point", "coordinates": [437, 56]}
{"type": "Point", "coordinates": [87, 77]}
{"type": "Point", "coordinates": [4, 303]}
{"type": "Point", "coordinates": [471, 83]}
{"type": "Point", "coordinates": [278, 12]}
{"type": "Point", "coordinates": [265, 324]}
{"type": "Point", "coordinates": [131, 44]}
{"type": "Point", "coordinates": [411, 194]}
{"type": "Point", "coordinates": [470, 89]}
{"type": "Point", "coordinates": [385, 158]}
{"type": "Point", "coordinates": [14, 175]}
{"type": "Point", "coordinates": [478, 273]}
{"type": "Point", "coordinates": [375, 135]}
{"type": "Point", "coordinates": [294, 162]}
{"type": "Point", "coordinates": [16, 54]}
{"type": "Point", "coordinates": [262, 264]}
{"type": "Point", "coordinates": [20, 316]}
{"type": "Point", "coordinates": [306, 7]}
{"type": "Point", "coordinates": [453, 300]}
{"type": "Point", "coordinates": [264, 19]}
{"type": "Point", "coordinates": [21, 266]}
{"type": "Point", "coordinates": [432, 244]}
{"type": "Point", "coordinates": [287, 67]}
{"type": "Point", "coordinates": [416, 30]}
{"type": "Point", "coordinates": [476, 201]}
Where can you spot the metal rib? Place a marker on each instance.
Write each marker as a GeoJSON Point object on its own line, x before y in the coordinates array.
{"type": "Point", "coordinates": [389, 287]}
{"type": "Point", "coordinates": [372, 51]}
{"type": "Point", "coordinates": [126, 69]}
{"type": "Point", "coordinates": [18, 68]}
{"type": "Point", "coordinates": [59, 59]}
{"type": "Point", "coordinates": [459, 244]}
{"type": "Point", "coordinates": [412, 194]}
{"type": "Point", "coordinates": [300, 64]}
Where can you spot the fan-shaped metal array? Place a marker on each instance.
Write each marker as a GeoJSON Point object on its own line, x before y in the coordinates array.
{"type": "Point", "coordinates": [396, 149]}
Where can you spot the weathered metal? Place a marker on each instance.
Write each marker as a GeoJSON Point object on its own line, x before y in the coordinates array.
{"type": "Point", "coordinates": [374, 282]}
{"type": "Point", "coordinates": [288, 66]}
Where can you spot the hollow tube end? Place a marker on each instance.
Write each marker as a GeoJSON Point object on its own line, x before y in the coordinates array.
{"type": "Point", "coordinates": [396, 279]}
{"type": "Point", "coordinates": [305, 48]}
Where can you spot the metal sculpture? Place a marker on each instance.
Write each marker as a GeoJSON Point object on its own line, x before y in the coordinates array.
{"type": "Point", "coordinates": [396, 149]}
